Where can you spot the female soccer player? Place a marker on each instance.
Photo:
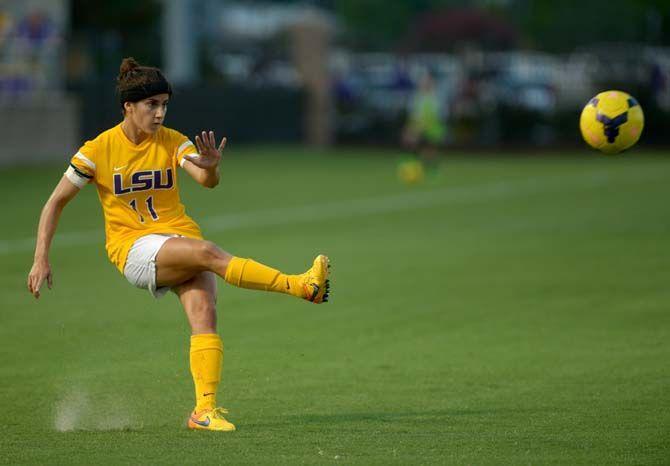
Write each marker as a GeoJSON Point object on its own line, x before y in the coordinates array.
{"type": "Point", "coordinates": [149, 237]}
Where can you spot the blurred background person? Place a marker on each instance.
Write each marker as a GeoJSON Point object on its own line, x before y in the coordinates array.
{"type": "Point", "coordinates": [426, 131]}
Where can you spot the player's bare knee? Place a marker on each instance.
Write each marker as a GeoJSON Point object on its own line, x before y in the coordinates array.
{"type": "Point", "coordinates": [212, 256]}
{"type": "Point", "coordinates": [206, 252]}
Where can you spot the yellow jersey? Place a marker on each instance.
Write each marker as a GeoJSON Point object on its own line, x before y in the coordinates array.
{"type": "Point", "coordinates": [137, 186]}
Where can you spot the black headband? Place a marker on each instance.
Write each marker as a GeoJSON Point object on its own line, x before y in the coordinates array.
{"type": "Point", "coordinates": [137, 93]}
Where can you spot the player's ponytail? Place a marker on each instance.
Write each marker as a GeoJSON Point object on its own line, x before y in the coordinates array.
{"type": "Point", "coordinates": [136, 82]}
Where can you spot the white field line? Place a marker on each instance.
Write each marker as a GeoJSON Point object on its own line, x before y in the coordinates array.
{"type": "Point", "coordinates": [349, 208]}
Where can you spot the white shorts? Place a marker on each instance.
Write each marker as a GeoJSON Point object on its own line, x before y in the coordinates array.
{"type": "Point", "coordinates": [140, 269]}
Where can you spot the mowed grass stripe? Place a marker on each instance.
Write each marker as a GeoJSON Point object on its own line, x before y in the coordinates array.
{"type": "Point", "coordinates": [361, 207]}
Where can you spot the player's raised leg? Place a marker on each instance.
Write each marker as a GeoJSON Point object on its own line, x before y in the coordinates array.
{"type": "Point", "coordinates": [198, 296]}
{"type": "Point", "coordinates": [181, 258]}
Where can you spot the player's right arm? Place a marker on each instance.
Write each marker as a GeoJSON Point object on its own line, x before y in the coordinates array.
{"type": "Point", "coordinates": [80, 172]}
{"type": "Point", "coordinates": [64, 192]}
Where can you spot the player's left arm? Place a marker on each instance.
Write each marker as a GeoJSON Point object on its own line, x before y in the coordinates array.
{"type": "Point", "coordinates": [204, 166]}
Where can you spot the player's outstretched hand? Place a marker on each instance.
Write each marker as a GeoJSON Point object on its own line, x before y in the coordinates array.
{"type": "Point", "coordinates": [40, 272]}
{"type": "Point", "coordinates": [210, 155]}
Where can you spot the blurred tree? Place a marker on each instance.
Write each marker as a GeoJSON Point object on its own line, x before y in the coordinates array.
{"type": "Point", "coordinates": [116, 29]}
{"type": "Point", "coordinates": [561, 26]}
{"type": "Point", "coordinates": [120, 14]}
{"type": "Point", "coordinates": [379, 22]}
{"type": "Point", "coordinates": [545, 24]}
{"type": "Point", "coordinates": [375, 22]}
{"type": "Point", "coordinates": [445, 30]}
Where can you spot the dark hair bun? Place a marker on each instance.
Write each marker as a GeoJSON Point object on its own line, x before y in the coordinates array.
{"type": "Point", "coordinates": [128, 65]}
{"type": "Point", "coordinates": [136, 82]}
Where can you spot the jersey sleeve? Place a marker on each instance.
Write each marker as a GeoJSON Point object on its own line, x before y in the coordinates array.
{"type": "Point", "coordinates": [184, 147]}
{"type": "Point", "coordinates": [82, 165]}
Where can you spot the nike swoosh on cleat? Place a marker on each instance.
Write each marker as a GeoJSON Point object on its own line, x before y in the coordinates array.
{"type": "Point", "coordinates": [207, 394]}
{"type": "Point", "coordinates": [316, 292]}
{"type": "Point", "coordinates": [201, 423]}
{"type": "Point", "coordinates": [288, 286]}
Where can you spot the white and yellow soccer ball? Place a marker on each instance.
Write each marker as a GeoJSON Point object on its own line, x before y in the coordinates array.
{"type": "Point", "coordinates": [612, 122]}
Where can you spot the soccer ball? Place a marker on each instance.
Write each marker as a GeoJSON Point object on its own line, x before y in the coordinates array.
{"type": "Point", "coordinates": [410, 171]}
{"type": "Point", "coordinates": [612, 122]}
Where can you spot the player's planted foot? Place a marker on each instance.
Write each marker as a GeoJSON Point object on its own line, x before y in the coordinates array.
{"type": "Point", "coordinates": [315, 283]}
{"type": "Point", "coordinates": [210, 419]}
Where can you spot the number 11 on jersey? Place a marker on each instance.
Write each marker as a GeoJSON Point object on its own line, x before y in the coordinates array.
{"type": "Point", "coordinates": [150, 207]}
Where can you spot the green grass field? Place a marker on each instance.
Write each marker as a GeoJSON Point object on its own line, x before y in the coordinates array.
{"type": "Point", "coordinates": [512, 311]}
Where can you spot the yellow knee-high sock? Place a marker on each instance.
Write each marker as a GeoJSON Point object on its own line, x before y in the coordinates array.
{"type": "Point", "coordinates": [206, 357]}
{"type": "Point", "coordinates": [247, 273]}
